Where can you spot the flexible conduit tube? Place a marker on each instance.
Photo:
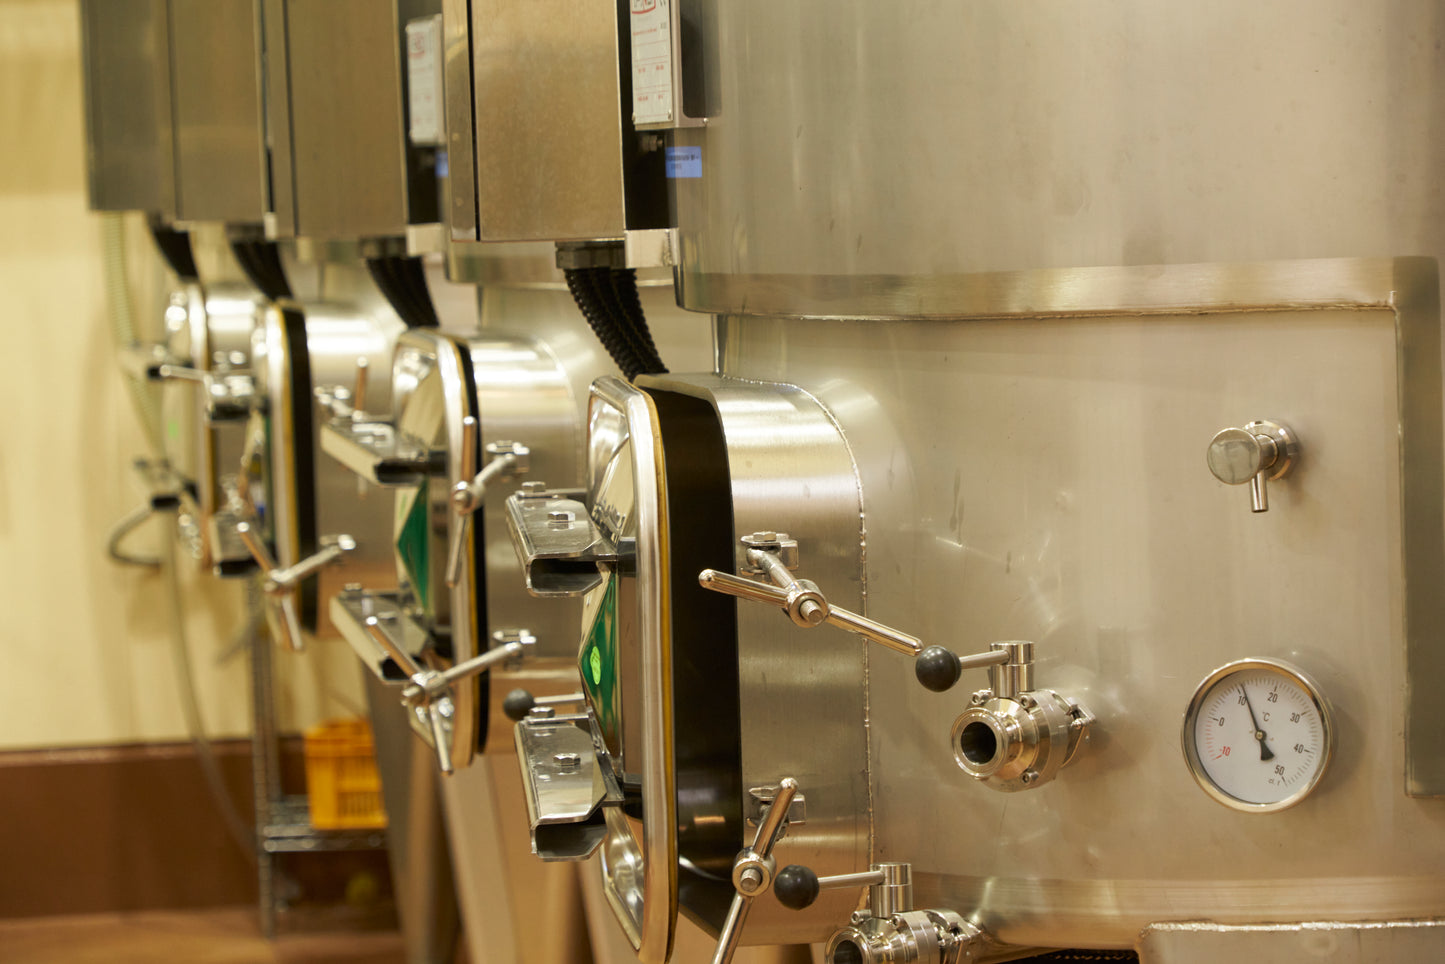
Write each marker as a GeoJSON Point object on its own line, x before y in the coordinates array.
{"type": "Point", "coordinates": [243, 834]}
{"type": "Point", "coordinates": [122, 325]}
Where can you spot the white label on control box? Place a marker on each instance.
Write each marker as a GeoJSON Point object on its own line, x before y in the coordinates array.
{"type": "Point", "coordinates": [651, 62]}
{"type": "Point", "coordinates": [424, 81]}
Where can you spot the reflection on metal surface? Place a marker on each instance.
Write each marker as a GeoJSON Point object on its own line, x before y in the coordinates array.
{"type": "Point", "coordinates": [1136, 583]}
{"type": "Point", "coordinates": [567, 780]}
{"type": "Point", "coordinates": [1079, 136]}
{"type": "Point", "coordinates": [1331, 942]}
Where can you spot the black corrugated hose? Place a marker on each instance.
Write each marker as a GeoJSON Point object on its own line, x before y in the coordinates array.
{"type": "Point", "coordinates": [175, 247]}
{"type": "Point", "coordinates": [403, 282]}
{"type": "Point", "coordinates": [608, 299]}
{"type": "Point", "coordinates": [261, 262]}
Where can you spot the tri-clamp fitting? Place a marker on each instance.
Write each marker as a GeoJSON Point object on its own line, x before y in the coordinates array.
{"type": "Point", "coordinates": [1012, 736]}
{"type": "Point", "coordinates": [890, 931]}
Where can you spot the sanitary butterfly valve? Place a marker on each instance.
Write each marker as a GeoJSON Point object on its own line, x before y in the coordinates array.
{"type": "Point", "coordinates": [1012, 737]}
{"type": "Point", "coordinates": [889, 931]}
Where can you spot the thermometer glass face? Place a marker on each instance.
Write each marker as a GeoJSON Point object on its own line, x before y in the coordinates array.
{"type": "Point", "coordinates": [1257, 735]}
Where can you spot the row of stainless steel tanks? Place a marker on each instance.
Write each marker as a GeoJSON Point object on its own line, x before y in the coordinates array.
{"type": "Point", "coordinates": [982, 310]}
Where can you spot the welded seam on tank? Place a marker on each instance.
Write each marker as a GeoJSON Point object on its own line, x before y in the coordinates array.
{"type": "Point", "coordinates": [1137, 291]}
{"type": "Point", "coordinates": [863, 597]}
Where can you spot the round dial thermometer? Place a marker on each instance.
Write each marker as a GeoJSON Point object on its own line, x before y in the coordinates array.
{"type": "Point", "coordinates": [1258, 735]}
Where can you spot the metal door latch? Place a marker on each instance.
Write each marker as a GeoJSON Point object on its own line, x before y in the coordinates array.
{"type": "Point", "coordinates": [507, 460]}
{"type": "Point", "coordinates": [278, 583]}
{"type": "Point", "coordinates": [773, 556]}
{"type": "Point", "coordinates": [1013, 737]}
{"type": "Point", "coordinates": [428, 694]}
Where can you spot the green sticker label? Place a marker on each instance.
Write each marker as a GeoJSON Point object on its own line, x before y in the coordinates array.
{"type": "Point", "coordinates": [597, 660]}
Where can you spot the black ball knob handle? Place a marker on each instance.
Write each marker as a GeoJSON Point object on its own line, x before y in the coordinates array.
{"type": "Point", "coordinates": [796, 886]}
{"type": "Point", "coordinates": [518, 704]}
{"type": "Point", "coordinates": [937, 668]}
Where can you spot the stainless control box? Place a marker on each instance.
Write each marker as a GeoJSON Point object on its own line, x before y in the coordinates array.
{"type": "Point", "coordinates": [124, 47]}
{"type": "Point", "coordinates": [342, 167]}
{"type": "Point", "coordinates": [540, 140]}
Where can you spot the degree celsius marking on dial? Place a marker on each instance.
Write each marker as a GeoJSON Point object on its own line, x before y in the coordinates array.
{"type": "Point", "coordinates": [1257, 735]}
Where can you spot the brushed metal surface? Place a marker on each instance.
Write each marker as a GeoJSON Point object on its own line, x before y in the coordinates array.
{"type": "Point", "coordinates": [335, 118]}
{"type": "Point", "coordinates": [216, 97]}
{"type": "Point", "coordinates": [547, 120]}
{"type": "Point", "coordinates": [926, 139]}
{"type": "Point", "coordinates": [129, 147]}
{"type": "Point", "coordinates": [804, 693]}
{"type": "Point", "coordinates": [1039, 476]}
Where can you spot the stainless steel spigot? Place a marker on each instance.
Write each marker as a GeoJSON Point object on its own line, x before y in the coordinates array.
{"type": "Point", "coordinates": [890, 931]}
{"type": "Point", "coordinates": [753, 869]}
{"type": "Point", "coordinates": [278, 583]}
{"type": "Point", "coordinates": [1261, 452]}
{"type": "Point", "coordinates": [429, 694]}
{"type": "Point", "coordinates": [774, 555]}
{"type": "Point", "coordinates": [507, 459]}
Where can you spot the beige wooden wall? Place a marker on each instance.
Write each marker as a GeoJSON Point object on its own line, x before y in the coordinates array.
{"type": "Point", "coordinates": [85, 656]}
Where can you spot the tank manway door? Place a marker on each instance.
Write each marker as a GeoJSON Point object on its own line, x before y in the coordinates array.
{"type": "Point", "coordinates": [602, 778]}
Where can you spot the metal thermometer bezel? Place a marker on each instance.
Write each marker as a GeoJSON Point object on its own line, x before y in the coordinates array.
{"type": "Point", "coordinates": [1191, 718]}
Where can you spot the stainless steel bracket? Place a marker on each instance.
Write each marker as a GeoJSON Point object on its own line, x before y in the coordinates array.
{"type": "Point", "coordinates": [561, 549]}
{"type": "Point", "coordinates": [567, 780]}
{"type": "Point", "coordinates": [350, 611]}
{"type": "Point", "coordinates": [375, 451]}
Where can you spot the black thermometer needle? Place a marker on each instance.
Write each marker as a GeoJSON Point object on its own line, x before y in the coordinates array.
{"type": "Point", "coordinates": [1264, 751]}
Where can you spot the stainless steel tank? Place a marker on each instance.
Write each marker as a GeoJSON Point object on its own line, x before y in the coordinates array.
{"type": "Point", "coordinates": [1055, 274]}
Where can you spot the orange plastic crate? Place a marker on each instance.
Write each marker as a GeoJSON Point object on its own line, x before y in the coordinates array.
{"type": "Point", "coordinates": [343, 787]}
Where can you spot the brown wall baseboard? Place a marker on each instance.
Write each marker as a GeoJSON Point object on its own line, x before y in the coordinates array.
{"type": "Point", "coordinates": [125, 828]}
